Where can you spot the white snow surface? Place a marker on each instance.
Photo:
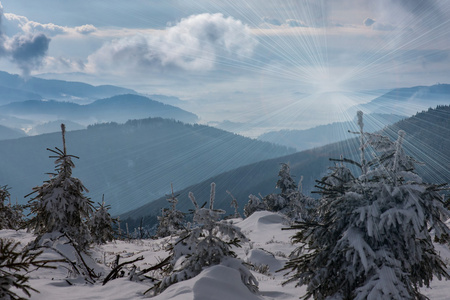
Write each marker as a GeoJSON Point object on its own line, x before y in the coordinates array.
{"type": "Point", "coordinates": [269, 246]}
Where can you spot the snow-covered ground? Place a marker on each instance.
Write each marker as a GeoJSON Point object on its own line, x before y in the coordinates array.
{"type": "Point", "coordinates": [267, 249]}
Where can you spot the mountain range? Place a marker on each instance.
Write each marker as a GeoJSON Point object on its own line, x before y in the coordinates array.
{"type": "Point", "coordinates": [132, 163]}
{"type": "Point", "coordinates": [16, 88]}
{"type": "Point", "coordinates": [326, 134]}
{"type": "Point", "coordinates": [427, 139]}
{"type": "Point", "coordinates": [120, 108]}
{"type": "Point", "coordinates": [407, 101]}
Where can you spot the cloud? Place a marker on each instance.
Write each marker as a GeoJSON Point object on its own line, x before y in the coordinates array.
{"type": "Point", "coordinates": [419, 14]}
{"type": "Point", "coordinates": [63, 64]}
{"type": "Point", "coordinates": [85, 29]}
{"type": "Point", "coordinates": [271, 21]}
{"type": "Point", "coordinates": [50, 28]}
{"type": "Point", "coordinates": [193, 44]}
{"type": "Point", "coordinates": [16, 24]}
{"type": "Point", "coordinates": [383, 26]}
{"type": "Point", "coordinates": [295, 23]}
{"type": "Point", "coordinates": [369, 22]}
{"type": "Point", "coordinates": [27, 51]}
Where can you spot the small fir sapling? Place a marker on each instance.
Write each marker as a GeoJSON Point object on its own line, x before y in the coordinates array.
{"type": "Point", "coordinates": [172, 220]}
{"type": "Point", "coordinates": [234, 204]}
{"type": "Point", "coordinates": [372, 239]}
{"type": "Point", "coordinates": [101, 224]}
{"type": "Point", "coordinates": [207, 243]}
{"type": "Point", "coordinates": [60, 205]}
{"type": "Point", "coordinates": [15, 264]}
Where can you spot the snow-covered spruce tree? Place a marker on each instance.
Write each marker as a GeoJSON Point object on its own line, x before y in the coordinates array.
{"type": "Point", "coordinates": [254, 204]}
{"type": "Point", "coordinates": [289, 192]}
{"type": "Point", "coordinates": [290, 201]}
{"type": "Point", "coordinates": [11, 216]}
{"type": "Point", "coordinates": [373, 238]}
{"type": "Point", "coordinates": [60, 205]}
{"type": "Point", "coordinates": [101, 224]}
{"type": "Point", "coordinates": [285, 181]}
{"type": "Point", "coordinates": [171, 220]}
{"type": "Point", "coordinates": [207, 243]}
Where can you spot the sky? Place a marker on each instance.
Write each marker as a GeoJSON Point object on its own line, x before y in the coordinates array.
{"type": "Point", "coordinates": [289, 63]}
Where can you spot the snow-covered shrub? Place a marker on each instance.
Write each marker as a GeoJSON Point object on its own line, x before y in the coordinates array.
{"type": "Point", "coordinates": [207, 243]}
{"type": "Point", "coordinates": [372, 240]}
{"type": "Point", "coordinates": [60, 204]}
{"type": "Point", "coordinates": [171, 220]}
{"type": "Point", "coordinates": [101, 225]}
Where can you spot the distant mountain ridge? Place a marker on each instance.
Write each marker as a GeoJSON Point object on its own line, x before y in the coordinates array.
{"type": "Point", "coordinates": [407, 101]}
{"type": "Point", "coordinates": [132, 163]}
{"type": "Point", "coordinates": [118, 108]}
{"type": "Point", "coordinates": [326, 134]}
{"type": "Point", "coordinates": [7, 133]}
{"type": "Point", "coordinates": [16, 88]}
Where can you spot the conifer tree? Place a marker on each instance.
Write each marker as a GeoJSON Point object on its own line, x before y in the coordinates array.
{"type": "Point", "coordinates": [254, 204]}
{"type": "Point", "coordinates": [172, 220]}
{"type": "Point", "coordinates": [206, 244]}
{"type": "Point", "coordinates": [372, 238]}
{"type": "Point", "coordinates": [101, 224]}
{"type": "Point", "coordinates": [290, 201]}
{"type": "Point", "coordinates": [11, 216]}
{"type": "Point", "coordinates": [60, 204]}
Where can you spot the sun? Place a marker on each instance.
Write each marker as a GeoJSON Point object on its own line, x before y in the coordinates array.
{"type": "Point", "coordinates": [326, 83]}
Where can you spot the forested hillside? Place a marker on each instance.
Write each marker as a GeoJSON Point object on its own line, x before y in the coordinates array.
{"type": "Point", "coordinates": [132, 163]}
{"type": "Point", "coordinates": [426, 140]}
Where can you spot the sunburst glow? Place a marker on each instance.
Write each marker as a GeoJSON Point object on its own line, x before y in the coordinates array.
{"type": "Point", "coordinates": [260, 66]}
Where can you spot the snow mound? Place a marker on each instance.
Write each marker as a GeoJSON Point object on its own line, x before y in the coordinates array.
{"type": "Point", "coordinates": [214, 283]}
{"type": "Point", "coordinates": [260, 257]}
{"type": "Point", "coordinates": [263, 221]}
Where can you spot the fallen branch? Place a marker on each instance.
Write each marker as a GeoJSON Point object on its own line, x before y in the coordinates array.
{"type": "Point", "coordinates": [113, 273]}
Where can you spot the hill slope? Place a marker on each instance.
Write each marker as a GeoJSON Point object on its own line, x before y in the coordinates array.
{"type": "Point", "coordinates": [9, 133]}
{"type": "Point", "coordinates": [427, 139]}
{"type": "Point", "coordinates": [132, 163]}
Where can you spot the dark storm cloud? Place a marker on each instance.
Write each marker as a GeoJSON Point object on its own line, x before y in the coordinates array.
{"type": "Point", "coordinates": [25, 50]}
